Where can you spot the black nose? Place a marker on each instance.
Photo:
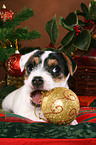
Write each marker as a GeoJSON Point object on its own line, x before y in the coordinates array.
{"type": "Point", "coordinates": [37, 81]}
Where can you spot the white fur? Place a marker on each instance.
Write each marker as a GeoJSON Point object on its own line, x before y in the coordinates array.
{"type": "Point", "coordinates": [25, 58]}
{"type": "Point", "coordinates": [19, 100]}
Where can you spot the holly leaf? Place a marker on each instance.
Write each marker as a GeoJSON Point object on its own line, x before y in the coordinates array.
{"type": "Point", "coordinates": [52, 29]}
{"type": "Point", "coordinates": [93, 43]}
{"type": "Point", "coordinates": [84, 8]}
{"type": "Point", "coordinates": [66, 40]}
{"type": "Point", "coordinates": [69, 21]}
{"type": "Point", "coordinates": [69, 49]}
{"type": "Point", "coordinates": [82, 41]}
{"type": "Point", "coordinates": [79, 13]}
{"type": "Point", "coordinates": [92, 10]}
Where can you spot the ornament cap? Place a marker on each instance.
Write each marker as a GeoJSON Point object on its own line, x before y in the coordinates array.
{"type": "Point", "coordinates": [17, 51]}
{"type": "Point", "coordinates": [16, 44]}
{"type": "Point", "coordinates": [4, 6]}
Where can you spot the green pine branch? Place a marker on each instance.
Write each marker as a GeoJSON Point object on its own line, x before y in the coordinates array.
{"type": "Point", "coordinates": [5, 53]}
{"type": "Point", "coordinates": [4, 34]}
{"type": "Point", "coordinates": [9, 33]}
{"type": "Point", "coordinates": [19, 34]}
{"type": "Point", "coordinates": [23, 15]}
{"type": "Point", "coordinates": [8, 30]}
{"type": "Point", "coordinates": [23, 34]}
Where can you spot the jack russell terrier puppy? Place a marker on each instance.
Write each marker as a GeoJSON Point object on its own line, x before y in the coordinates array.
{"type": "Point", "coordinates": [44, 70]}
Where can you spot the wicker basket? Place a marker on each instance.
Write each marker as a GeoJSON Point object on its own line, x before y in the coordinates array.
{"type": "Point", "coordinates": [83, 83]}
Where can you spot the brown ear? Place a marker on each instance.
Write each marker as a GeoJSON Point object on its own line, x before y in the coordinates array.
{"type": "Point", "coordinates": [71, 64]}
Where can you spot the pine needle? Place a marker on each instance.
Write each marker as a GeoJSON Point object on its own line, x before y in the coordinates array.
{"type": "Point", "coordinates": [23, 15]}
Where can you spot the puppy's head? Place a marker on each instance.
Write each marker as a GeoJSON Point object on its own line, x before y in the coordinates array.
{"type": "Point", "coordinates": [46, 70]}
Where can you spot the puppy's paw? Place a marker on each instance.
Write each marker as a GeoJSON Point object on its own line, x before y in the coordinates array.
{"type": "Point", "coordinates": [74, 122]}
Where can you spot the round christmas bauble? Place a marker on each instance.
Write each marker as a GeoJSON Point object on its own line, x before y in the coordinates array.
{"type": "Point", "coordinates": [60, 105]}
{"type": "Point", "coordinates": [13, 67]}
{"type": "Point", "coordinates": [5, 13]}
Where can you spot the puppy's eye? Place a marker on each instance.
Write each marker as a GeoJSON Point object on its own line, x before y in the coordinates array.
{"type": "Point", "coordinates": [29, 67]}
{"type": "Point", "coordinates": [56, 70]}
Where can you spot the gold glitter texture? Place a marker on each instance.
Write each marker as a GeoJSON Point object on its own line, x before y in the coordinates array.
{"type": "Point", "coordinates": [60, 105]}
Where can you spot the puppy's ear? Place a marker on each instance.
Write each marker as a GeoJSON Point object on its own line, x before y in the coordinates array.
{"type": "Point", "coordinates": [71, 64]}
{"type": "Point", "coordinates": [24, 59]}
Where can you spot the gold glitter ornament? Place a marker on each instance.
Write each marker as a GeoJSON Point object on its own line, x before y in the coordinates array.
{"type": "Point", "coordinates": [60, 105]}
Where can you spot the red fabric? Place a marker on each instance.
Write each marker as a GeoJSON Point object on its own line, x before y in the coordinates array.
{"type": "Point", "coordinates": [85, 117]}
{"type": "Point", "coordinates": [87, 114]}
{"type": "Point", "coordinates": [86, 100]}
{"type": "Point", "coordinates": [31, 141]}
{"type": "Point", "coordinates": [27, 141]}
{"type": "Point", "coordinates": [9, 117]}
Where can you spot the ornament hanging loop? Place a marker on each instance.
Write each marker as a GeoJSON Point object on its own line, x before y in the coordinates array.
{"type": "Point", "coordinates": [16, 44]}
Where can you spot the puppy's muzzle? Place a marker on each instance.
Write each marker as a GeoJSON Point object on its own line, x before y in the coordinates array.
{"type": "Point", "coordinates": [37, 82]}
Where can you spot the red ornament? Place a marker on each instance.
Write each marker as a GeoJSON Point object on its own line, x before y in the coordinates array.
{"type": "Point", "coordinates": [5, 14]}
{"type": "Point", "coordinates": [13, 67]}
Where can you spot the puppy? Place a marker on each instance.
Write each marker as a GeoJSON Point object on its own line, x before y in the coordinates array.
{"type": "Point", "coordinates": [44, 70]}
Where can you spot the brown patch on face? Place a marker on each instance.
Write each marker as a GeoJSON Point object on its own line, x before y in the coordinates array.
{"type": "Point", "coordinates": [52, 62]}
{"type": "Point", "coordinates": [59, 78]}
{"type": "Point", "coordinates": [36, 60]}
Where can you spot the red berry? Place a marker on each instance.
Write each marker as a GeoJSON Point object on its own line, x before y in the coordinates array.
{"type": "Point", "coordinates": [77, 27]}
{"type": "Point", "coordinates": [86, 21]}
{"type": "Point", "coordinates": [51, 45]}
{"type": "Point", "coordinates": [78, 31]}
{"type": "Point", "coordinates": [93, 22]}
{"type": "Point", "coordinates": [74, 27]}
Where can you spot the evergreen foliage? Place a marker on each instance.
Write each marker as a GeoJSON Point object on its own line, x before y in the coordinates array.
{"type": "Point", "coordinates": [9, 32]}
